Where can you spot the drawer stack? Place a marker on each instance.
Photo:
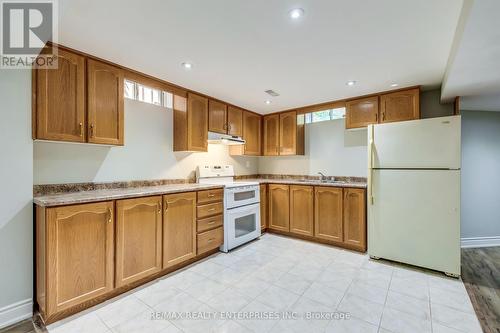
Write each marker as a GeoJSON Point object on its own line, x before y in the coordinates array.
{"type": "Point", "coordinates": [210, 220]}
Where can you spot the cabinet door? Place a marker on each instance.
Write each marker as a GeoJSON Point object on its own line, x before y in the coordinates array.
{"type": "Point", "coordinates": [105, 103]}
{"type": "Point", "coordinates": [328, 213]}
{"type": "Point", "coordinates": [301, 210]}
{"type": "Point", "coordinates": [279, 207]}
{"type": "Point", "coordinates": [138, 238]}
{"type": "Point", "coordinates": [79, 254]}
{"type": "Point", "coordinates": [234, 121]}
{"type": "Point", "coordinates": [288, 133]}
{"type": "Point", "coordinates": [400, 106]}
{"type": "Point", "coordinates": [217, 117]}
{"type": "Point", "coordinates": [361, 112]}
{"type": "Point", "coordinates": [197, 123]}
{"type": "Point", "coordinates": [355, 218]}
{"type": "Point", "coordinates": [251, 133]}
{"type": "Point", "coordinates": [271, 135]}
{"type": "Point", "coordinates": [179, 228]}
{"type": "Point", "coordinates": [263, 206]}
{"type": "Point", "coordinates": [60, 100]}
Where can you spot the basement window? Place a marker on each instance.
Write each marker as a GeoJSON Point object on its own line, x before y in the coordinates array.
{"type": "Point", "coordinates": [331, 114]}
{"type": "Point", "coordinates": [145, 94]}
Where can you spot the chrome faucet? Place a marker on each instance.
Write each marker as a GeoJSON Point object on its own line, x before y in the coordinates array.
{"type": "Point", "coordinates": [323, 177]}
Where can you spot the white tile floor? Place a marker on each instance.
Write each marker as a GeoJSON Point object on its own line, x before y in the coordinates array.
{"type": "Point", "coordinates": [277, 274]}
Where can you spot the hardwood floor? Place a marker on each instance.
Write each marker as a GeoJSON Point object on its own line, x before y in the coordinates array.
{"type": "Point", "coordinates": [481, 276]}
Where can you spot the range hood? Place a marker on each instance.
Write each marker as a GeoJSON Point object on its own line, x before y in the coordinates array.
{"type": "Point", "coordinates": [225, 139]}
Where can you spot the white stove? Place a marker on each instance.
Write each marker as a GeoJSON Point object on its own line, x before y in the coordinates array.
{"type": "Point", "coordinates": [241, 204]}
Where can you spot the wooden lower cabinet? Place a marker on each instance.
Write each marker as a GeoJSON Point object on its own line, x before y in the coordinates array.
{"type": "Point", "coordinates": [179, 228]}
{"type": "Point", "coordinates": [138, 239]}
{"type": "Point", "coordinates": [328, 214]}
{"type": "Point", "coordinates": [263, 206]}
{"type": "Point", "coordinates": [279, 207]}
{"type": "Point", "coordinates": [301, 210]}
{"type": "Point", "coordinates": [355, 218]}
{"type": "Point", "coordinates": [75, 255]}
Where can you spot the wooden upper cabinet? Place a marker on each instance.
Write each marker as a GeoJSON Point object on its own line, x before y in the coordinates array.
{"type": "Point", "coordinates": [252, 133]}
{"type": "Point", "coordinates": [279, 207]}
{"type": "Point", "coordinates": [234, 121]}
{"type": "Point", "coordinates": [271, 135]}
{"type": "Point", "coordinates": [355, 218]}
{"type": "Point", "coordinates": [138, 239]}
{"type": "Point", "coordinates": [105, 103]}
{"type": "Point", "coordinates": [362, 112]}
{"type": "Point", "coordinates": [179, 228]}
{"type": "Point", "coordinates": [301, 210]}
{"type": "Point", "coordinates": [60, 100]}
{"type": "Point", "coordinates": [217, 117]}
{"type": "Point", "coordinates": [328, 213]}
{"type": "Point", "coordinates": [400, 105]}
{"type": "Point", "coordinates": [80, 254]}
{"type": "Point", "coordinates": [288, 133]}
{"type": "Point", "coordinates": [197, 122]}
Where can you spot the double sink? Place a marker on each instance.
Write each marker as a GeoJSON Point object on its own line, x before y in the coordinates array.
{"type": "Point", "coordinates": [324, 181]}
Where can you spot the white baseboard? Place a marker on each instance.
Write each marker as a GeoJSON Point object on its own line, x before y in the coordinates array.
{"type": "Point", "coordinates": [16, 312]}
{"type": "Point", "coordinates": [480, 241]}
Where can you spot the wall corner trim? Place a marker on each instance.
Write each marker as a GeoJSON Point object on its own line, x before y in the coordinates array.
{"type": "Point", "coordinates": [16, 312]}
{"type": "Point", "coordinates": [470, 242]}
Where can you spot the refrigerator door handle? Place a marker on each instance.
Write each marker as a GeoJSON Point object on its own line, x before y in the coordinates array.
{"type": "Point", "coordinates": [371, 146]}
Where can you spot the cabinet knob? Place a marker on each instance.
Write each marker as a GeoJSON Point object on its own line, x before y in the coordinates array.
{"type": "Point", "coordinates": [110, 216]}
{"type": "Point", "coordinates": [81, 129]}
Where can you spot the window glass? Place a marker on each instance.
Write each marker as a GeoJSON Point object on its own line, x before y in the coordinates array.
{"type": "Point", "coordinates": [129, 89]}
{"type": "Point", "coordinates": [331, 114]}
{"type": "Point", "coordinates": [168, 100]}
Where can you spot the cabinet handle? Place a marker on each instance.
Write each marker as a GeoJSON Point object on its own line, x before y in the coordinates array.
{"type": "Point", "coordinates": [211, 209]}
{"type": "Point", "coordinates": [224, 127]}
{"type": "Point", "coordinates": [159, 208]}
{"type": "Point", "coordinates": [211, 222]}
{"type": "Point", "coordinates": [91, 130]}
{"type": "Point", "coordinates": [229, 127]}
{"type": "Point", "coordinates": [166, 206]}
{"type": "Point", "coordinates": [81, 129]}
{"type": "Point", "coordinates": [211, 195]}
{"type": "Point", "coordinates": [109, 215]}
{"type": "Point", "coordinates": [210, 240]}
{"type": "Point", "coordinates": [376, 117]}
{"type": "Point", "coordinates": [383, 116]}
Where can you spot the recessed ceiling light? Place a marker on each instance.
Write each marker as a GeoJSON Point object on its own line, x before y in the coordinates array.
{"type": "Point", "coordinates": [394, 85]}
{"type": "Point", "coordinates": [268, 102]}
{"type": "Point", "coordinates": [296, 13]}
{"type": "Point", "coordinates": [187, 65]}
{"type": "Point", "coordinates": [351, 83]}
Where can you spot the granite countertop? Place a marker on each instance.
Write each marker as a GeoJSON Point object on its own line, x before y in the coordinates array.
{"type": "Point", "coordinates": [116, 193]}
{"type": "Point", "coordinates": [311, 182]}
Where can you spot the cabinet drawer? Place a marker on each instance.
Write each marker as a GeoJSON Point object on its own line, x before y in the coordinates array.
{"type": "Point", "coordinates": [210, 196]}
{"type": "Point", "coordinates": [209, 210]}
{"type": "Point", "coordinates": [210, 240]}
{"type": "Point", "coordinates": [209, 223]}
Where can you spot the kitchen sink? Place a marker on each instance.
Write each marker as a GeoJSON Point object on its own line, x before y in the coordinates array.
{"type": "Point", "coordinates": [318, 181]}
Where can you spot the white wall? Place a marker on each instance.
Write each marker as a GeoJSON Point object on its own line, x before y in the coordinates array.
{"type": "Point", "coordinates": [329, 148]}
{"type": "Point", "coordinates": [16, 205]}
{"type": "Point", "coordinates": [147, 154]}
{"type": "Point", "coordinates": [480, 177]}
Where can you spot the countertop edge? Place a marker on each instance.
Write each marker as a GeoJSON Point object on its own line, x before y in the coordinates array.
{"type": "Point", "coordinates": [308, 183]}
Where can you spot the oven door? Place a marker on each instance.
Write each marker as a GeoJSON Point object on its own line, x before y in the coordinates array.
{"type": "Point", "coordinates": [241, 225]}
{"type": "Point", "coordinates": [241, 196]}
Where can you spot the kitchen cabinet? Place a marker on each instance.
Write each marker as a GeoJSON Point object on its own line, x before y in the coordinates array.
{"type": "Point", "coordinates": [104, 103]}
{"type": "Point", "coordinates": [75, 255]}
{"type": "Point", "coordinates": [217, 117]}
{"type": "Point", "coordinates": [301, 210]}
{"type": "Point", "coordinates": [400, 105]}
{"type": "Point", "coordinates": [80, 101]}
{"type": "Point", "coordinates": [279, 207]}
{"type": "Point", "coordinates": [355, 218]}
{"type": "Point", "coordinates": [179, 228]}
{"type": "Point", "coordinates": [138, 238]}
{"type": "Point", "coordinates": [197, 122]}
{"type": "Point", "coordinates": [328, 213]}
{"type": "Point", "coordinates": [263, 206]}
{"type": "Point", "coordinates": [252, 133]}
{"type": "Point", "coordinates": [190, 123]}
{"type": "Point", "coordinates": [60, 100]}
{"type": "Point", "coordinates": [210, 224]}
{"type": "Point", "coordinates": [234, 121]}
{"type": "Point", "coordinates": [288, 133]}
{"type": "Point", "coordinates": [362, 112]}
{"type": "Point", "coordinates": [271, 138]}
{"type": "Point", "coordinates": [210, 240]}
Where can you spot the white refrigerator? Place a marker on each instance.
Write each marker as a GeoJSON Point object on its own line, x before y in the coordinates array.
{"type": "Point", "coordinates": [414, 193]}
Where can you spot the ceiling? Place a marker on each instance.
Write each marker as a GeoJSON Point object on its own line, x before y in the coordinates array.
{"type": "Point", "coordinates": [241, 48]}
{"type": "Point", "coordinates": [474, 68]}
